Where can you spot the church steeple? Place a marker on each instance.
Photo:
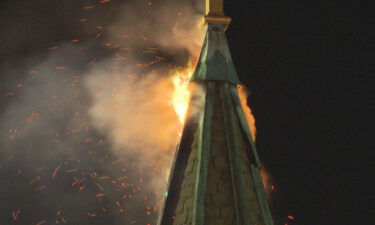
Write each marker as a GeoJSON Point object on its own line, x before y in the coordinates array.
{"type": "Point", "coordinates": [215, 178]}
{"type": "Point", "coordinates": [215, 61]}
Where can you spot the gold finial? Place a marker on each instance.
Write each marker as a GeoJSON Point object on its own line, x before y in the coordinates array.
{"type": "Point", "coordinates": [214, 8]}
{"type": "Point", "coordinates": [215, 12]}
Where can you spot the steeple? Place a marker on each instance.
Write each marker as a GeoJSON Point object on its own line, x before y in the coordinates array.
{"type": "Point", "coordinates": [215, 177]}
{"type": "Point", "coordinates": [215, 62]}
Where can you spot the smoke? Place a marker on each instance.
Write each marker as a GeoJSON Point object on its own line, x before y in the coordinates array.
{"type": "Point", "coordinates": [45, 129]}
{"type": "Point", "coordinates": [174, 26]}
{"type": "Point", "coordinates": [136, 114]}
{"type": "Point", "coordinates": [132, 104]}
{"type": "Point", "coordinates": [88, 134]}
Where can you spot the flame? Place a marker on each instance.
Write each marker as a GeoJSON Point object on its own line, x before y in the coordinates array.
{"type": "Point", "coordinates": [247, 110]}
{"type": "Point", "coordinates": [181, 94]}
{"type": "Point", "coordinates": [267, 182]}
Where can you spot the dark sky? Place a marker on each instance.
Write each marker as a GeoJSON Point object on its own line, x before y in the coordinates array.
{"type": "Point", "coordinates": [307, 65]}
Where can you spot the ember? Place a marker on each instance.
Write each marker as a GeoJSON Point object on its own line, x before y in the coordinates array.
{"type": "Point", "coordinates": [95, 141]}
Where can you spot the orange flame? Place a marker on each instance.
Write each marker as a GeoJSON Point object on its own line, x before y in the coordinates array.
{"type": "Point", "coordinates": [267, 180]}
{"type": "Point", "coordinates": [181, 94]}
{"type": "Point", "coordinates": [247, 110]}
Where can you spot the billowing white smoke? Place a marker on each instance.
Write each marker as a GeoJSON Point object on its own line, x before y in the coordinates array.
{"type": "Point", "coordinates": [135, 113]}
{"type": "Point", "coordinates": [135, 110]}
{"type": "Point", "coordinates": [95, 124]}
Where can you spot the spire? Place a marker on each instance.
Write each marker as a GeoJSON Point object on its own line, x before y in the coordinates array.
{"type": "Point", "coordinates": [215, 178]}
{"type": "Point", "coordinates": [215, 61]}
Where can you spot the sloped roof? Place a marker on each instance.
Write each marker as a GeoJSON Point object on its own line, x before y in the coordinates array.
{"type": "Point", "coordinates": [215, 178]}
{"type": "Point", "coordinates": [215, 61]}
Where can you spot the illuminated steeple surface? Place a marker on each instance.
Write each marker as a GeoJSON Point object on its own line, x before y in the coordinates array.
{"type": "Point", "coordinates": [215, 177]}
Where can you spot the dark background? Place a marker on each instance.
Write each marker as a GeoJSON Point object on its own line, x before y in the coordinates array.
{"type": "Point", "coordinates": [308, 67]}
{"type": "Point", "coordinates": [307, 64]}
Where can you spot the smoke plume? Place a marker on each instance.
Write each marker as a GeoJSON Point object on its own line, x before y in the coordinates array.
{"type": "Point", "coordinates": [88, 133]}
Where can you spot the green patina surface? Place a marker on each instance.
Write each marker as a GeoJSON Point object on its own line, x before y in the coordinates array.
{"type": "Point", "coordinates": [215, 178]}
{"type": "Point", "coordinates": [215, 61]}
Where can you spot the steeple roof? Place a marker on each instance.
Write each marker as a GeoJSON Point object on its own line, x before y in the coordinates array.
{"type": "Point", "coordinates": [215, 61]}
{"type": "Point", "coordinates": [215, 177]}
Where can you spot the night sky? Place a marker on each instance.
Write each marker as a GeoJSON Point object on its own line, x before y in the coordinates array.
{"type": "Point", "coordinates": [307, 66]}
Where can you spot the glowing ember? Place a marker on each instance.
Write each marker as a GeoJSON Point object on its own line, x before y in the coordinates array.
{"type": "Point", "coordinates": [181, 94]}
{"type": "Point", "coordinates": [141, 102]}
{"type": "Point", "coordinates": [290, 217]}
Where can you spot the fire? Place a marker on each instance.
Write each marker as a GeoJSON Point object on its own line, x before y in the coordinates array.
{"type": "Point", "coordinates": [181, 94]}
{"type": "Point", "coordinates": [267, 182]}
{"type": "Point", "coordinates": [247, 110]}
